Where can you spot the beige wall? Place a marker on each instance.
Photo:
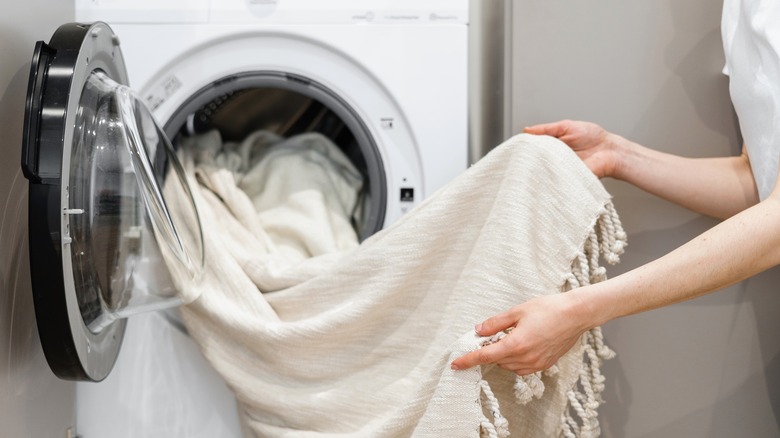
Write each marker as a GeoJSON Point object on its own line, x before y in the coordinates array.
{"type": "Point", "coordinates": [650, 70]}
{"type": "Point", "coordinates": [33, 403]}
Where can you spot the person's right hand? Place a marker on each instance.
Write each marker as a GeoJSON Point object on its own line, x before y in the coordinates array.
{"type": "Point", "coordinates": [593, 144]}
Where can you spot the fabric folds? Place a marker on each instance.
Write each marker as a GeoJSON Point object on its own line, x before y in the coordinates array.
{"type": "Point", "coordinates": [356, 340]}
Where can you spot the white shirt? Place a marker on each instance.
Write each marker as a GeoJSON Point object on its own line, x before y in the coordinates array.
{"type": "Point", "coordinates": [751, 42]}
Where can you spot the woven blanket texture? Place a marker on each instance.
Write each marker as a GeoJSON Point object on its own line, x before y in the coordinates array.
{"type": "Point", "coordinates": [318, 336]}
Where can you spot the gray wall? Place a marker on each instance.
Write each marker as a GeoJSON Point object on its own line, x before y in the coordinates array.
{"type": "Point", "coordinates": [650, 71]}
{"type": "Point", "coordinates": [33, 403]}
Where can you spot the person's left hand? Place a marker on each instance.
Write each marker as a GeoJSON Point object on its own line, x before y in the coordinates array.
{"type": "Point", "coordinates": [544, 329]}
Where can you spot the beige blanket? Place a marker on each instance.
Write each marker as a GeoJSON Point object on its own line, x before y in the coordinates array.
{"type": "Point", "coordinates": [356, 341]}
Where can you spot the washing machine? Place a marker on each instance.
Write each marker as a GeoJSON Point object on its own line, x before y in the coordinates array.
{"type": "Point", "coordinates": [386, 80]}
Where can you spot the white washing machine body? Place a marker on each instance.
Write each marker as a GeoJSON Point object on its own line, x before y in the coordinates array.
{"type": "Point", "coordinates": [399, 67]}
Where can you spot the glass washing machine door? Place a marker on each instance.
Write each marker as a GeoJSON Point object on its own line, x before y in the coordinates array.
{"type": "Point", "coordinates": [98, 222]}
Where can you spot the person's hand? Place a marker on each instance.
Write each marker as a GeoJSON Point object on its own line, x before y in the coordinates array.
{"type": "Point", "coordinates": [593, 144]}
{"type": "Point", "coordinates": [544, 329]}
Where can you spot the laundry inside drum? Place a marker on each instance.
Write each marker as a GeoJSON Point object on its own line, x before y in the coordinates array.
{"type": "Point", "coordinates": [256, 122]}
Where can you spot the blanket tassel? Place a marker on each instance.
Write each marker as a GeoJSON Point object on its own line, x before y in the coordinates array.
{"type": "Point", "coordinates": [580, 418]}
{"type": "Point", "coordinates": [499, 427]}
{"type": "Point", "coordinates": [607, 240]}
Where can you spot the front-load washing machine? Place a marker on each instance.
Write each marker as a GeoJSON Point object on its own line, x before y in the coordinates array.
{"type": "Point", "coordinates": [385, 80]}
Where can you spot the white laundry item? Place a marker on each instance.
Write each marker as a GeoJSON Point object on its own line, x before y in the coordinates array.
{"type": "Point", "coordinates": [358, 343]}
{"type": "Point", "coordinates": [305, 189]}
{"type": "Point", "coordinates": [751, 42]}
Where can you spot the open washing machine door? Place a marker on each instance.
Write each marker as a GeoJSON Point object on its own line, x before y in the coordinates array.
{"type": "Point", "coordinates": [98, 222]}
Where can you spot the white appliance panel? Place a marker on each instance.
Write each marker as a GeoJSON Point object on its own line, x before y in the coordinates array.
{"type": "Point", "coordinates": [274, 11]}
{"type": "Point", "coordinates": [412, 56]}
{"type": "Point", "coordinates": [423, 69]}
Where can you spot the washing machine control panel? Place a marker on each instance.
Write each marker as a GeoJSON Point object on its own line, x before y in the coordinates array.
{"type": "Point", "coordinates": [407, 194]}
{"type": "Point", "coordinates": [274, 11]}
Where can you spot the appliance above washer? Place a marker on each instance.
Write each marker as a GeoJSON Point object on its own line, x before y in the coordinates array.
{"type": "Point", "coordinates": [98, 223]}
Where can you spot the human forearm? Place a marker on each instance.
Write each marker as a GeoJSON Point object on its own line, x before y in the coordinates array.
{"type": "Point", "coordinates": [736, 249]}
{"type": "Point", "coordinates": [546, 327]}
{"type": "Point", "coordinates": [717, 187]}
